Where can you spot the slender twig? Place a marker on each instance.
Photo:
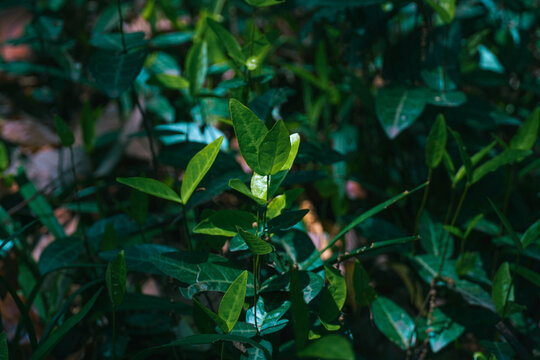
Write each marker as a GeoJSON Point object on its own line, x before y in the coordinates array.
{"type": "Point", "coordinates": [423, 203]}
{"type": "Point", "coordinates": [118, 4]}
{"type": "Point", "coordinates": [78, 201]}
{"type": "Point", "coordinates": [186, 228]}
{"type": "Point", "coordinates": [148, 131]}
{"type": "Point", "coordinates": [28, 323]}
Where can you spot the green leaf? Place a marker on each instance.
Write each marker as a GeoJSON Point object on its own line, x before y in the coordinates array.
{"type": "Point", "coordinates": [233, 301]}
{"type": "Point", "coordinates": [151, 187]}
{"type": "Point", "coordinates": [527, 132]}
{"type": "Point", "coordinates": [299, 310]}
{"type": "Point", "coordinates": [249, 130]}
{"type": "Point", "coordinates": [433, 237]}
{"type": "Point", "coordinates": [228, 41]}
{"type": "Point", "coordinates": [445, 8]}
{"type": "Point", "coordinates": [44, 348]}
{"type": "Point", "coordinates": [334, 296]}
{"type": "Point", "coordinates": [4, 157]}
{"type": "Point", "coordinates": [475, 159]}
{"type": "Point", "coordinates": [442, 330]}
{"type": "Point", "coordinates": [114, 42]}
{"type": "Point", "coordinates": [171, 81]}
{"type": "Point", "coordinates": [138, 206]}
{"type": "Point", "coordinates": [197, 66]}
{"type": "Point", "coordinates": [436, 142]}
{"type": "Point", "coordinates": [63, 131]}
{"type": "Point", "coordinates": [286, 220]}
{"type": "Point", "coordinates": [89, 118]}
{"type": "Point", "coordinates": [259, 183]}
{"type": "Point", "coordinates": [503, 292]}
{"type": "Point", "coordinates": [238, 185]}
{"type": "Point", "coordinates": [212, 315]}
{"type": "Point", "coordinates": [201, 271]}
{"type": "Point", "coordinates": [506, 157]}
{"type": "Point", "coordinates": [465, 158]}
{"type": "Point", "coordinates": [202, 339]}
{"type": "Point", "coordinates": [59, 254]}
{"type": "Point", "coordinates": [334, 347]}
{"type": "Point", "coordinates": [3, 347]}
{"type": "Point", "coordinates": [115, 278]}
{"type": "Point", "coordinates": [263, 3]}
{"type": "Point", "coordinates": [269, 317]}
{"type": "Point", "coordinates": [257, 245]}
{"type": "Point", "coordinates": [364, 293]}
{"type": "Point", "coordinates": [39, 206]}
{"type": "Point", "coordinates": [364, 216]}
{"type": "Point", "coordinates": [224, 223]}
{"type": "Point", "coordinates": [393, 322]}
{"type": "Point", "coordinates": [197, 167]}
{"type": "Point", "coordinates": [397, 108]}
{"type": "Point", "coordinates": [274, 150]}
{"type": "Point", "coordinates": [507, 226]}
{"type": "Point", "coordinates": [115, 72]}
{"type": "Point", "coordinates": [530, 275]}
{"type": "Point", "coordinates": [531, 234]}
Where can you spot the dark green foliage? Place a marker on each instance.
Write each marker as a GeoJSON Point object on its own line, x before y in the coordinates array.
{"type": "Point", "coordinates": [270, 179]}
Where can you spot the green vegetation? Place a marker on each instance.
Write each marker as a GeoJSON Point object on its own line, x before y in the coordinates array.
{"type": "Point", "coordinates": [269, 179]}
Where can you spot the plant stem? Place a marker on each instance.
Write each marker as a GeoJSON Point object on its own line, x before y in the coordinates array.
{"type": "Point", "coordinates": [447, 236]}
{"type": "Point", "coordinates": [218, 7]}
{"type": "Point", "coordinates": [119, 6]}
{"type": "Point", "coordinates": [255, 286]}
{"type": "Point", "coordinates": [186, 229]}
{"type": "Point", "coordinates": [147, 130]}
{"type": "Point", "coordinates": [513, 277]}
{"type": "Point", "coordinates": [424, 200]}
{"type": "Point", "coordinates": [24, 315]}
{"type": "Point", "coordinates": [78, 201]}
{"type": "Point", "coordinates": [114, 333]}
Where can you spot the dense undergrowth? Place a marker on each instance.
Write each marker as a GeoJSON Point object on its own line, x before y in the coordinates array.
{"type": "Point", "coordinates": [269, 179]}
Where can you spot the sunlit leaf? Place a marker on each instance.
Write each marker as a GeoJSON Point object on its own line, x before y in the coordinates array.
{"type": "Point", "coordinates": [197, 167]}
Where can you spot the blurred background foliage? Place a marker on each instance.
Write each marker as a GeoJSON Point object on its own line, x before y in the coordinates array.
{"type": "Point", "coordinates": [145, 85]}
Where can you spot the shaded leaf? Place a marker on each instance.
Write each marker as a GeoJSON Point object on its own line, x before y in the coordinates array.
{"type": "Point", "coordinates": [299, 310]}
{"type": "Point", "coordinates": [197, 66]}
{"type": "Point", "coordinates": [257, 245]}
{"type": "Point", "coordinates": [152, 187]}
{"type": "Point", "coordinates": [531, 234]}
{"type": "Point", "coordinates": [334, 296]}
{"type": "Point", "coordinates": [329, 347]}
{"type": "Point", "coordinates": [64, 132]}
{"type": "Point", "coordinates": [527, 132]}
{"type": "Point", "coordinates": [286, 220]}
{"type": "Point", "coordinates": [228, 41]}
{"type": "Point", "coordinates": [115, 278]}
{"type": "Point", "coordinates": [44, 348]}
{"type": "Point", "coordinates": [436, 142]}
{"type": "Point", "coordinates": [506, 157]}
{"type": "Point", "coordinates": [224, 223]}
{"type": "Point", "coordinates": [503, 292]}
{"type": "Point", "coordinates": [393, 322]}
{"type": "Point", "coordinates": [397, 108]}
{"type": "Point", "coordinates": [58, 254]}
{"type": "Point", "coordinates": [364, 293]}
{"type": "Point", "coordinates": [115, 72]}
